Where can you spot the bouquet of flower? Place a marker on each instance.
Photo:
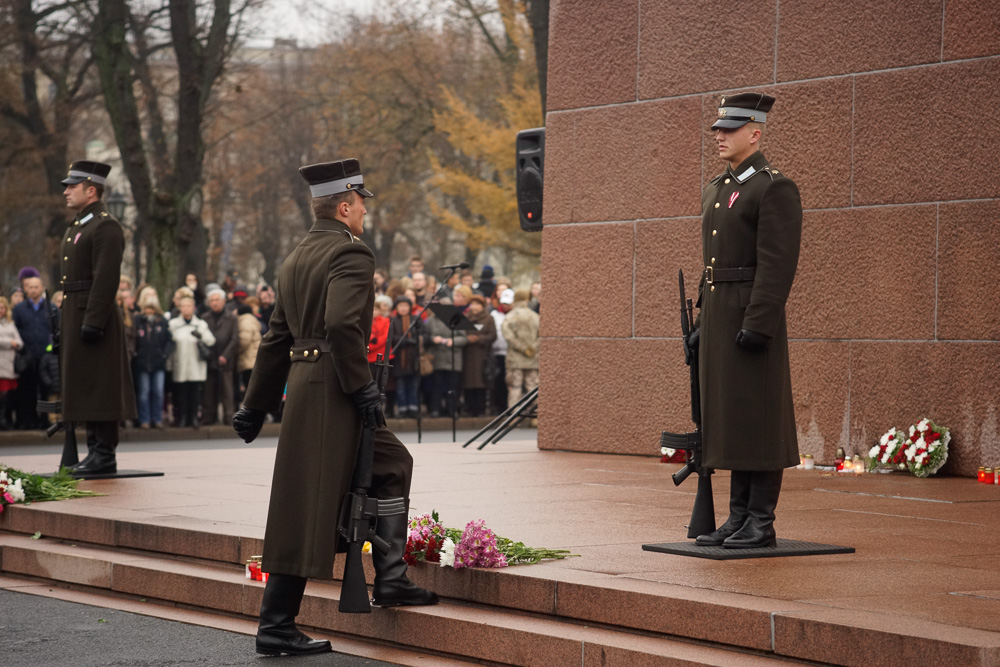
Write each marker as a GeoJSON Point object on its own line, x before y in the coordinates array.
{"type": "Point", "coordinates": [11, 490]}
{"type": "Point", "coordinates": [425, 540]}
{"type": "Point", "coordinates": [668, 455]}
{"type": "Point", "coordinates": [475, 546]}
{"type": "Point", "coordinates": [927, 447]}
{"type": "Point", "coordinates": [17, 486]}
{"type": "Point", "coordinates": [889, 451]}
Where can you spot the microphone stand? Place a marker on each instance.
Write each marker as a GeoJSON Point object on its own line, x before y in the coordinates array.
{"type": "Point", "coordinates": [416, 321]}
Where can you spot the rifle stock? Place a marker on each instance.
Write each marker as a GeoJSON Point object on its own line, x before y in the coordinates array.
{"type": "Point", "coordinates": [703, 513]}
{"type": "Point", "coordinates": [359, 514]}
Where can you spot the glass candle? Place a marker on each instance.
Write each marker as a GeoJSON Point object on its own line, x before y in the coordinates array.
{"type": "Point", "coordinates": [981, 474]}
{"type": "Point", "coordinates": [808, 462]}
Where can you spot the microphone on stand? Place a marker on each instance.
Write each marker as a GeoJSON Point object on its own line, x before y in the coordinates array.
{"type": "Point", "coordinates": [461, 265]}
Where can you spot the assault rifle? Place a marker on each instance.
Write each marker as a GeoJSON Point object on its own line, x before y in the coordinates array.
{"type": "Point", "coordinates": [703, 514]}
{"type": "Point", "coordinates": [359, 513]}
{"type": "Point", "coordinates": [70, 453]}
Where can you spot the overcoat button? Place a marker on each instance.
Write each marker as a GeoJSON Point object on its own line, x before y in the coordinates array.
{"type": "Point", "coordinates": [305, 353]}
{"type": "Point", "coordinates": [716, 204]}
{"type": "Point", "coordinates": [726, 181]}
{"type": "Point", "coordinates": [714, 232]}
{"type": "Point", "coordinates": [291, 354]}
{"type": "Point", "coordinates": [713, 260]}
{"type": "Point", "coordinates": [713, 288]}
{"type": "Point", "coordinates": [316, 352]}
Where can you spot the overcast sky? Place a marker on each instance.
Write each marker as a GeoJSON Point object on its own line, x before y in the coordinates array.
{"type": "Point", "coordinates": [297, 19]}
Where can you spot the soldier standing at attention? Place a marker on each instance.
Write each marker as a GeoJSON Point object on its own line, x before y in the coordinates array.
{"type": "Point", "coordinates": [96, 378]}
{"type": "Point", "coordinates": [317, 343]}
{"type": "Point", "coordinates": [751, 226]}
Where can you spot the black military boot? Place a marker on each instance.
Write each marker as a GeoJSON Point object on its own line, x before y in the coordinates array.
{"type": "Point", "coordinates": [91, 444]}
{"type": "Point", "coordinates": [758, 531]}
{"type": "Point", "coordinates": [392, 588]}
{"type": "Point", "coordinates": [277, 633]}
{"type": "Point", "coordinates": [739, 499]}
{"type": "Point", "coordinates": [100, 457]}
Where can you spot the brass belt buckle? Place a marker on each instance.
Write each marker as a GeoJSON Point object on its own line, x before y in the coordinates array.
{"type": "Point", "coordinates": [709, 274]}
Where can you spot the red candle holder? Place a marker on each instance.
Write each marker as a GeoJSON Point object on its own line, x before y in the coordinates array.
{"type": "Point", "coordinates": [981, 475]}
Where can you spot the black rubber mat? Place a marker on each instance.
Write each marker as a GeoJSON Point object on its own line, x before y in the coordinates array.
{"type": "Point", "coordinates": [783, 548]}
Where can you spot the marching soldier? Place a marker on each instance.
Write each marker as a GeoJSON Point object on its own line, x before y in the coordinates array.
{"type": "Point", "coordinates": [751, 226]}
{"type": "Point", "coordinates": [96, 378]}
{"type": "Point", "coordinates": [317, 343]}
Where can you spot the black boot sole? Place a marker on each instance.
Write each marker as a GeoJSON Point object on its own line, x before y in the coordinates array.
{"type": "Point", "coordinates": [405, 603]}
{"type": "Point", "coordinates": [326, 647]}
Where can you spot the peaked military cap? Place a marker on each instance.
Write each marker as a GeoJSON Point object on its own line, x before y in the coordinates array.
{"type": "Point", "coordinates": [333, 178]}
{"type": "Point", "coordinates": [738, 110]}
{"type": "Point", "coordinates": [85, 170]}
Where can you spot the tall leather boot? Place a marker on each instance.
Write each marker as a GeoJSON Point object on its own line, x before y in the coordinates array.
{"type": "Point", "coordinates": [277, 633]}
{"type": "Point", "coordinates": [392, 588]}
{"type": "Point", "coordinates": [91, 443]}
{"type": "Point", "coordinates": [758, 531]}
{"type": "Point", "coordinates": [100, 460]}
{"type": "Point", "coordinates": [739, 499]}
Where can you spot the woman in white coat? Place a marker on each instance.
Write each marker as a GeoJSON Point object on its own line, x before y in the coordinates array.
{"type": "Point", "coordinates": [10, 343]}
{"type": "Point", "coordinates": [187, 367]}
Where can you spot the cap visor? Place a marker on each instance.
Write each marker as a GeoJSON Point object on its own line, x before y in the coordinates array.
{"type": "Point", "coordinates": [727, 124]}
{"type": "Point", "coordinates": [364, 193]}
{"type": "Point", "coordinates": [72, 181]}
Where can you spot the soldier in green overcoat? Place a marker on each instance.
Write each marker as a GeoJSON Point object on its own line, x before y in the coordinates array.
{"type": "Point", "coordinates": [317, 344]}
{"type": "Point", "coordinates": [94, 360]}
{"type": "Point", "coordinates": [751, 226]}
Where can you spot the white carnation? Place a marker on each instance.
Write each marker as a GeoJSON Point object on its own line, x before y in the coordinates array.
{"type": "Point", "coordinates": [922, 425]}
{"type": "Point", "coordinates": [15, 491]}
{"type": "Point", "coordinates": [873, 452]}
{"type": "Point", "coordinates": [448, 553]}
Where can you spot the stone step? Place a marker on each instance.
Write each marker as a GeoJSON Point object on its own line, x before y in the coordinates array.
{"type": "Point", "coordinates": [820, 633]}
{"type": "Point", "coordinates": [453, 628]}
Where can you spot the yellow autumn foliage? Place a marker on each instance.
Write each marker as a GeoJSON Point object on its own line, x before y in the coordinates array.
{"type": "Point", "coordinates": [477, 194]}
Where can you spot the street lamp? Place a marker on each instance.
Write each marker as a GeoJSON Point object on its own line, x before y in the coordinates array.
{"type": "Point", "coordinates": [116, 203]}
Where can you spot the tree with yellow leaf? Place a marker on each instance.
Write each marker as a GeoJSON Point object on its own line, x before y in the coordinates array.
{"type": "Point", "coordinates": [474, 174]}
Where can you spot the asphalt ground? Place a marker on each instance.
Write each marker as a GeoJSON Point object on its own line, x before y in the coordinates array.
{"type": "Point", "coordinates": [45, 632]}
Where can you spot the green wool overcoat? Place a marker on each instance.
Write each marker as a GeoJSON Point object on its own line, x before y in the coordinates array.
{"type": "Point", "coordinates": [317, 343]}
{"type": "Point", "coordinates": [751, 217]}
{"type": "Point", "coordinates": [96, 376]}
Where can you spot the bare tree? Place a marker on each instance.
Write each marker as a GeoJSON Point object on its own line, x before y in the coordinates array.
{"type": "Point", "coordinates": [48, 44]}
{"type": "Point", "coordinates": [167, 189]}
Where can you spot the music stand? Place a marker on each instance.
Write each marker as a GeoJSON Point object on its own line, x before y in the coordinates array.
{"type": "Point", "coordinates": [456, 321]}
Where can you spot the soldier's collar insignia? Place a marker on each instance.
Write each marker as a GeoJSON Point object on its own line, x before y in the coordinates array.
{"type": "Point", "coordinates": [750, 171]}
{"type": "Point", "coordinates": [85, 219]}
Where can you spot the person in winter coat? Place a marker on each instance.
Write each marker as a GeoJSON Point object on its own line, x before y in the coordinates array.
{"type": "Point", "coordinates": [406, 365]}
{"type": "Point", "coordinates": [446, 378]}
{"type": "Point", "coordinates": [249, 334]}
{"type": "Point", "coordinates": [476, 355]}
{"type": "Point", "coordinates": [221, 366]}
{"type": "Point", "coordinates": [10, 343]}
{"type": "Point", "coordinates": [153, 347]}
{"type": "Point", "coordinates": [520, 330]}
{"type": "Point", "coordinates": [187, 367]}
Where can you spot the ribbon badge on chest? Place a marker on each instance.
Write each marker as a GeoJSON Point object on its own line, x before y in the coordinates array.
{"type": "Point", "coordinates": [79, 234]}
{"type": "Point", "coordinates": [733, 197]}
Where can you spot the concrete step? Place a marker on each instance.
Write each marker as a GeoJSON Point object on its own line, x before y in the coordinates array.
{"type": "Point", "coordinates": [453, 628]}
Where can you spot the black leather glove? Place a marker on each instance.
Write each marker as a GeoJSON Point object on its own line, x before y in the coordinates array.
{"type": "Point", "coordinates": [694, 337]}
{"type": "Point", "coordinates": [751, 340]}
{"type": "Point", "coordinates": [368, 401]}
{"type": "Point", "coordinates": [247, 422]}
{"type": "Point", "coordinates": [89, 334]}
{"type": "Point", "coordinates": [196, 334]}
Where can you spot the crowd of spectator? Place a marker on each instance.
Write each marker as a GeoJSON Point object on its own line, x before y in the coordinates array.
{"type": "Point", "coordinates": [192, 363]}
